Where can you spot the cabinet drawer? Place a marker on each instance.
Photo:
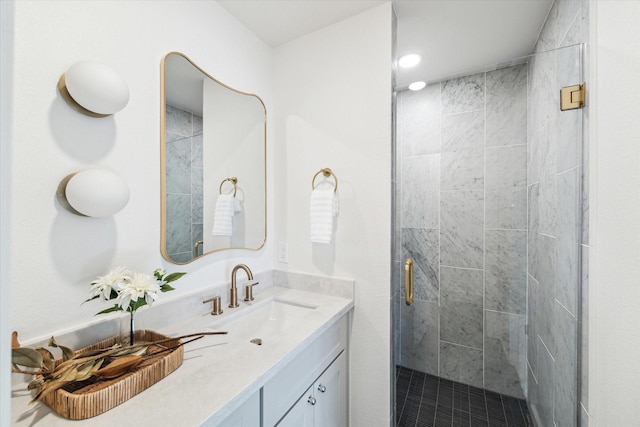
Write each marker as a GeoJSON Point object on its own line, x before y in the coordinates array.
{"type": "Point", "coordinates": [285, 388]}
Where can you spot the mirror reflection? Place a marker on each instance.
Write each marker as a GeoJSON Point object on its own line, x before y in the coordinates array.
{"type": "Point", "coordinates": [213, 172]}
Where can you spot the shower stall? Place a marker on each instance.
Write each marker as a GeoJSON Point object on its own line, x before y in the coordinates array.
{"type": "Point", "coordinates": [488, 227]}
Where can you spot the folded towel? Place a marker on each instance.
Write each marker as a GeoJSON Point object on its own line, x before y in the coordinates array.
{"type": "Point", "coordinates": [323, 209]}
{"type": "Point", "coordinates": [223, 215]}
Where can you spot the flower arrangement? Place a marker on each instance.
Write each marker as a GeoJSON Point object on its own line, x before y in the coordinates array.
{"type": "Point", "coordinates": [131, 290]}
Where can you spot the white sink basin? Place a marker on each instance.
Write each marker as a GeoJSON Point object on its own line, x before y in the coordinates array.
{"type": "Point", "coordinates": [263, 320]}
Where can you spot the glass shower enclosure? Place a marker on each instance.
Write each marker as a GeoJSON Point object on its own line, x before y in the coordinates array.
{"type": "Point", "coordinates": [488, 194]}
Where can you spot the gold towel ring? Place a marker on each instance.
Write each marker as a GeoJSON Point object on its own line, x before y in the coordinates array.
{"type": "Point", "coordinates": [327, 172]}
{"type": "Point", "coordinates": [232, 180]}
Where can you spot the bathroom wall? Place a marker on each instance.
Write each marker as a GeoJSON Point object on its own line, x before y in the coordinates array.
{"type": "Point", "coordinates": [184, 183]}
{"type": "Point", "coordinates": [333, 109]}
{"type": "Point", "coordinates": [614, 229]}
{"type": "Point", "coordinates": [463, 223]}
{"type": "Point", "coordinates": [55, 254]}
{"type": "Point", "coordinates": [555, 240]}
{"type": "Point", "coordinates": [6, 75]}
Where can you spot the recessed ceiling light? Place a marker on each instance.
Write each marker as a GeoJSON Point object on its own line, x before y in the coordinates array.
{"type": "Point", "coordinates": [417, 86]}
{"type": "Point", "coordinates": [410, 60]}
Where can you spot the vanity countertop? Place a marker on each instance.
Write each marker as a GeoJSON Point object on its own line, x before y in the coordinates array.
{"type": "Point", "coordinates": [218, 374]}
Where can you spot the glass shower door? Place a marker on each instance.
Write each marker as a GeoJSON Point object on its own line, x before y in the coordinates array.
{"type": "Point", "coordinates": [488, 189]}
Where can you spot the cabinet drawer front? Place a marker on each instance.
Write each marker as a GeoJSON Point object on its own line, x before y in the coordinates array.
{"type": "Point", "coordinates": [286, 387]}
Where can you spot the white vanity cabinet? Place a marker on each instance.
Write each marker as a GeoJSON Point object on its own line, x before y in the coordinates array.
{"type": "Point", "coordinates": [324, 404]}
{"type": "Point", "coordinates": [247, 415]}
{"type": "Point", "coordinates": [322, 362]}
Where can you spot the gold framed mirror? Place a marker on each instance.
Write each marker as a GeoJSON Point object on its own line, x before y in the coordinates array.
{"type": "Point", "coordinates": [213, 144]}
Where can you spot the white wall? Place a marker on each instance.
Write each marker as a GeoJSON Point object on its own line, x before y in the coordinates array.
{"type": "Point", "coordinates": [54, 253]}
{"type": "Point", "coordinates": [614, 274]}
{"type": "Point", "coordinates": [6, 66]}
{"type": "Point", "coordinates": [333, 109]}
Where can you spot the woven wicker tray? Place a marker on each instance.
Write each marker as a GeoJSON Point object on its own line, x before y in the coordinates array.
{"type": "Point", "coordinates": [78, 401]}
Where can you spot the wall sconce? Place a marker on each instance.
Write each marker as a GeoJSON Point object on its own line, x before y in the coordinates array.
{"type": "Point", "coordinates": [93, 192]}
{"type": "Point", "coordinates": [94, 89]}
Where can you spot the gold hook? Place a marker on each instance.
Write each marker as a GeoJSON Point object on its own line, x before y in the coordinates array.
{"type": "Point", "coordinates": [327, 172]}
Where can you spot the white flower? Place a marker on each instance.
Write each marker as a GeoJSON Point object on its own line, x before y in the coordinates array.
{"type": "Point", "coordinates": [102, 287]}
{"type": "Point", "coordinates": [139, 286]}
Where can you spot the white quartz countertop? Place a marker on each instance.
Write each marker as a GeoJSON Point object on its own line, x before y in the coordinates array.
{"type": "Point", "coordinates": [218, 374]}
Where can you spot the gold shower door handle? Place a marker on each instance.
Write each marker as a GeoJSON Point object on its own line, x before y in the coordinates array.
{"type": "Point", "coordinates": [408, 281]}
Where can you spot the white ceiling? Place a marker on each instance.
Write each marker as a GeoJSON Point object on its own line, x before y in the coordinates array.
{"type": "Point", "coordinates": [453, 36]}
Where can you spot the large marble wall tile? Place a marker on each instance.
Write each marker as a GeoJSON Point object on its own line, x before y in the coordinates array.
{"type": "Point", "coordinates": [505, 187]}
{"type": "Point", "coordinates": [182, 257]}
{"type": "Point", "coordinates": [420, 191]}
{"type": "Point", "coordinates": [533, 389]}
{"type": "Point", "coordinates": [419, 121]}
{"type": "Point", "coordinates": [419, 335]}
{"type": "Point", "coordinates": [567, 18]}
{"type": "Point", "coordinates": [197, 210]}
{"type": "Point", "coordinates": [506, 166]}
{"type": "Point", "coordinates": [178, 223]}
{"type": "Point", "coordinates": [505, 353]}
{"type": "Point", "coordinates": [179, 121]}
{"type": "Point", "coordinates": [506, 208]}
{"type": "Point", "coordinates": [547, 38]}
{"type": "Point", "coordinates": [569, 139]}
{"type": "Point", "coordinates": [506, 270]}
{"type": "Point", "coordinates": [534, 145]}
{"type": "Point", "coordinates": [196, 234]}
{"type": "Point", "coordinates": [584, 35]}
{"type": "Point", "coordinates": [463, 94]}
{"type": "Point", "coordinates": [565, 369]}
{"type": "Point", "coordinates": [567, 241]}
{"type": "Point", "coordinates": [584, 417]}
{"type": "Point", "coordinates": [197, 182]}
{"type": "Point", "coordinates": [196, 151]}
{"type": "Point", "coordinates": [584, 391]}
{"type": "Point", "coordinates": [543, 93]}
{"type": "Point", "coordinates": [533, 322]}
{"type": "Point", "coordinates": [461, 231]}
{"type": "Point", "coordinates": [462, 364]}
{"type": "Point", "coordinates": [546, 381]}
{"type": "Point", "coordinates": [178, 166]}
{"type": "Point", "coordinates": [548, 197]}
{"type": "Point", "coordinates": [170, 136]}
{"type": "Point", "coordinates": [462, 158]}
{"type": "Point", "coordinates": [546, 294]}
{"type": "Point", "coordinates": [533, 228]}
{"type": "Point", "coordinates": [421, 245]}
{"type": "Point", "coordinates": [461, 306]}
{"type": "Point", "coordinates": [585, 178]}
{"type": "Point", "coordinates": [197, 125]}
{"type": "Point", "coordinates": [507, 106]}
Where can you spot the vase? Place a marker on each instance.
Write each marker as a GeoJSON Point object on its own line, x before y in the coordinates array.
{"type": "Point", "coordinates": [128, 326]}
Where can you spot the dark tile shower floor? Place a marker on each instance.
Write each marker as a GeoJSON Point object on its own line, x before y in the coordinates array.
{"type": "Point", "coordinates": [423, 400]}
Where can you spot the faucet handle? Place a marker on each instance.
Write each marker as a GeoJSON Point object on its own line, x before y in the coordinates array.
{"type": "Point", "coordinates": [217, 305]}
{"type": "Point", "coordinates": [248, 291]}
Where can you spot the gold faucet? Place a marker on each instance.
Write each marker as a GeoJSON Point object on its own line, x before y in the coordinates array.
{"type": "Point", "coordinates": [233, 300]}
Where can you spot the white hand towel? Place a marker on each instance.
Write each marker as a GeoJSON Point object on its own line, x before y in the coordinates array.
{"type": "Point", "coordinates": [223, 215]}
{"type": "Point", "coordinates": [237, 205]}
{"type": "Point", "coordinates": [323, 208]}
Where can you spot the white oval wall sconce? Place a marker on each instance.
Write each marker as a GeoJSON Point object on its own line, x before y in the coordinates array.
{"type": "Point", "coordinates": [94, 89]}
{"type": "Point", "coordinates": [95, 193]}
{"type": "Point", "coordinates": [409, 60]}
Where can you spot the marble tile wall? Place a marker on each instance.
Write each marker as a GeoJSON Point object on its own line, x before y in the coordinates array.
{"type": "Point", "coordinates": [557, 222]}
{"type": "Point", "coordinates": [463, 219]}
{"type": "Point", "coordinates": [184, 182]}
